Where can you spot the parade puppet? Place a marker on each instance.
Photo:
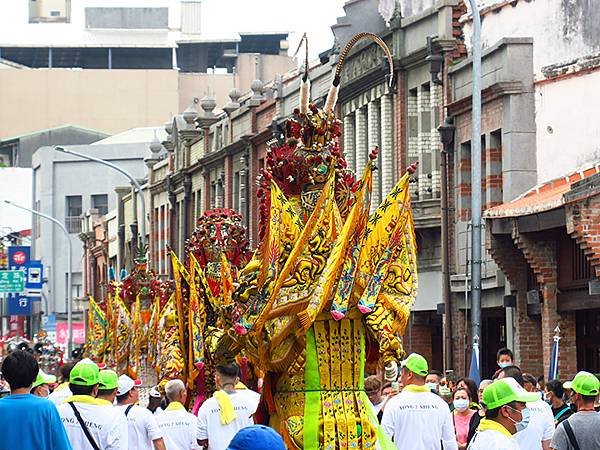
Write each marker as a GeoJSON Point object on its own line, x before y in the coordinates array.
{"type": "Point", "coordinates": [216, 251]}
{"type": "Point", "coordinates": [330, 286]}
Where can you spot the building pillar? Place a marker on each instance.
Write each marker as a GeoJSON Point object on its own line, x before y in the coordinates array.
{"type": "Point", "coordinates": [584, 227]}
{"type": "Point", "coordinates": [386, 160]}
{"type": "Point", "coordinates": [349, 140]}
{"type": "Point", "coordinates": [228, 184]}
{"type": "Point", "coordinates": [373, 141]}
{"type": "Point", "coordinates": [361, 147]}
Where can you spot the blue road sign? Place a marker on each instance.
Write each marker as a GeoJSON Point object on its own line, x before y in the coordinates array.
{"type": "Point", "coordinates": [34, 279]}
{"type": "Point", "coordinates": [19, 305]}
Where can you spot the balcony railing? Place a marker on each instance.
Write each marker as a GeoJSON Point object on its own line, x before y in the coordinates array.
{"type": "Point", "coordinates": [73, 224]}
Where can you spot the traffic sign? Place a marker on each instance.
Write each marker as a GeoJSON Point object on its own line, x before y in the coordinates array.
{"type": "Point", "coordinates": [12, 281]}
{"type": "Point", "coordinates": [19, 306]}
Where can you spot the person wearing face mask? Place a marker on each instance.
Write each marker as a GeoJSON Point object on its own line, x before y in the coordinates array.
{"type": "Point", "coordinates": [539, 433]}
{"type": "Point", "coordinates": [41, 384]}
{"type": "Point", "coordinates": [416, 418]}
{"type": "Point", "coordinates": [506, 414]}
{"type": "Point", "coordinates": [432, 381]}
{"type": "Point", "coordinates": [580, 431]}
{"type": "Point", "coordinates": [554, 395]}
{"type": "Point", "coordinates": [461, 416]}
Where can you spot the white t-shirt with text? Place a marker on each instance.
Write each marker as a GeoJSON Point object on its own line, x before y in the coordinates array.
{"type": "Point", "coordinates": [141, 426]}
{"type": "Point", "coordinates": [417, 419]}
{"type": "Point", "coordinates": [245, 402]}
{"type": "Point", "coordinates": [107, 428]}
{"type": "Point", "coordinates": [178, 427]}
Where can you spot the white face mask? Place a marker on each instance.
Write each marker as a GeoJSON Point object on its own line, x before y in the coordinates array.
{"type": "Point", "coordinates": [461, 404]}
{"type": "Point", "coordinates": [431, 386]}
{"type": "Point", "coordinates": [502, 365]}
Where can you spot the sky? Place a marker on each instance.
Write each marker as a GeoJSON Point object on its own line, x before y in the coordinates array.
{"type": "Point", "coordinates": [314, 17]}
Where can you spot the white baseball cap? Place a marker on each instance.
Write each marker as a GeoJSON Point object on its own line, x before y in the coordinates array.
{"type": "Point", "coordinates": [154, 392]}
{"type": "Point", "coordinates": [126, 384]}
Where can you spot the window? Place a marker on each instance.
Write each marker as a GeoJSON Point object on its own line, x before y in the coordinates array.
{"type": "Point", "coordinates": [236, 192]}
{"type": "Point", "coordinates": [73, 213]}
{"type": "Point", "coordinates": [100, 202]}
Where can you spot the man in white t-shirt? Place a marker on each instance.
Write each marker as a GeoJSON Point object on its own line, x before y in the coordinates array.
{"type": "Point", "coordinates": [178, 426]}
{"type": "Point", "coordinates": [506, 413]}
{"type": "Point", "coordinates": [539, 432]}
{"type": "Point", "coordinates": [87, 419]}
{"type": "Point", "coordinates": [373, 391]}
{"type": "Point", "coordinates": [227, 411]}
{"type": "Point", "coordinates": [143, 431]}
{"type": "Point", "coordinates": [416, 418]}
{"type": "Point", "coordinates": [62, 391]}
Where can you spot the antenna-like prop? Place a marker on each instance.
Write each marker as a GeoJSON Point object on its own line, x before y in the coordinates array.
{"type": "Point", "coordinates": [305, 83]}
{"type": "Point", "coordinates": [332, 96]}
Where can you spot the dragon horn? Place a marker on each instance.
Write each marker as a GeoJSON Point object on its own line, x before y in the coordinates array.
{"type": "Point", "coordinates": [332, 96]}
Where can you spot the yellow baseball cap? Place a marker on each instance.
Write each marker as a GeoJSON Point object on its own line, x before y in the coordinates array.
{"type": "Point", "coordinates": [84, 373]}
{"type": "Point", "coordinates": [416, 364]}
{"type": "Point", "coordinates": [108, 379]}
{"type": "Point", "coordinates": [584, 383]}
{"type": "Point", "coordinates": [43, 378]}
{"type": "Point", "coordinates": [505, 391]}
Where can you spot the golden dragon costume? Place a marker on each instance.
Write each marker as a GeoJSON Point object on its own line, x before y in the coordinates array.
{"type": "Point", "coordinates": [329, 282]}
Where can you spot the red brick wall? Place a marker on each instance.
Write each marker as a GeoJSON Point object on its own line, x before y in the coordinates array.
{"type": "Point", "coordinates": [584, 227]}
{"type": "Point", "coordinates": [418, 340]}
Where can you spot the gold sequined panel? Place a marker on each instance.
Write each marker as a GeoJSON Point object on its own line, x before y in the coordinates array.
{"type": "Point", "coordinates": [343, 421]}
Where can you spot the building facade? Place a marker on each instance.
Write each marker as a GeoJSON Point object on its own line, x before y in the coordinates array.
{"type": "Point", "coordinates": [540, 174]}
{"type": "Point", "coordinates": [67, 187]}
{"type": "Point", "coordinates": [151, 58]}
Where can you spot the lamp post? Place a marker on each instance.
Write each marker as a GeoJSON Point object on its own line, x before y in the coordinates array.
{"type": "Point", "coordinates": [446, 131]}
{"type": "Point", "coordinates": [69, 270]}
{"type": "Point", "coordinates": [476, 178]}
{"type": "Point", "coordinates": [122, 171]}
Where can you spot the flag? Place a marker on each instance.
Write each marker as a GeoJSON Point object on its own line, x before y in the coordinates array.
{"type": "Point", "coordinates": [340, 257]}
{"type": "Point", "coordinates": [96, 333]}
{"type": "Point", "coordinates": [474, 373]}
{"type": "Point", "coordinates": [135, 342]}
{"type": "Point", "coordinates": [196, 324]}
{"type": "Point", "coordinates": [226, 281]}
{"type": "Point", "coordinates": [387, 262]}
{"type": "Point", "coordinates": [553, 371]}
{"type": "Point", "coordinates": [179, 272]}
{"type": "Point", "coordinates": [123, 331]}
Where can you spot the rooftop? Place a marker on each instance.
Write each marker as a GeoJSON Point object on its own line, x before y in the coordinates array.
{"type": "Point", "coordinates": [544, 197]}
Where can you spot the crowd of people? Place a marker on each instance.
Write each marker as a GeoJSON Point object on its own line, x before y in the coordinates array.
{"type": "Point", "coordinates": [512, 411]}
{"type": "Point", "coordinates": [95, 408]}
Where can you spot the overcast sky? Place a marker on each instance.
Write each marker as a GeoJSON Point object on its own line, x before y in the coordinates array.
{"type": "Point", "coordinates": [314, 17]}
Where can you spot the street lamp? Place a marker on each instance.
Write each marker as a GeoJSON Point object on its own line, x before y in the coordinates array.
{"type": "Point", "coordinates": [446, 131]}
{"type": "Point", "coordinates": [69, 272]}
{"type": "Point", "coordinates": [122, 171]}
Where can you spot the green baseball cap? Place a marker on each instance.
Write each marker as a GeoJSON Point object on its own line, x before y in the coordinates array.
{"type": "Point", "coordinates": [108, 379]}
{"type": "Point", "coordinates": [43, 378]}
{"type": "Point", "coordinates": [84, 373]}
{"type": "Point", "coordinates": [416, 364]}
{"type": "Point", "coordinates": [505, 391]}
{"type": "Point", "coordinates": [584, 383]}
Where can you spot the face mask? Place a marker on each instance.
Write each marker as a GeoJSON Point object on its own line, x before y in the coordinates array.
{"type": "Point", "coordinates": [520, 426]}
{"type": "Point", "coordinates": [547, 399]}
{"type": "Point", "coordinates": [431, 386]}
{"type": "Point", "coordinates": [502, 365]}
{"type": "Point", "coordinates": [461, 404]}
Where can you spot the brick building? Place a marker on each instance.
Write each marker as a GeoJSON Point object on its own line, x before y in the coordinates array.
{"type": "Point", "coordinates": [539, 186]}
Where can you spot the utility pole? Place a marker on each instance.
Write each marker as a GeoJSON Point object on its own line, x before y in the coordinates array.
{"type": "Point", "coordinates": [476, 178]}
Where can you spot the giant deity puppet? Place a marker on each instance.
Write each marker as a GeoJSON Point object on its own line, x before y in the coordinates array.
{"type": "Point", "coordinates": [331, 285]}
